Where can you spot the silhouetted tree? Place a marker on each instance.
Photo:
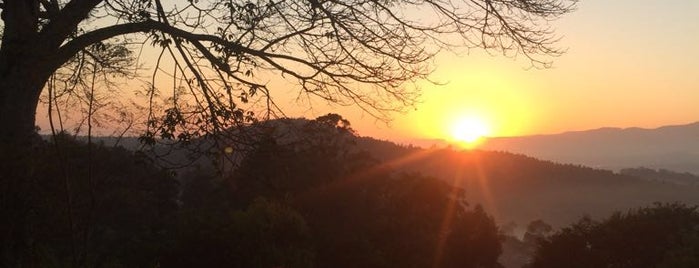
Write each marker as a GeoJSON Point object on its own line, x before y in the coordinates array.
{"type": "Point", "coordinates": [265, 234]}
{"type": "Point", "coordinates": [357, 51]}
{"type": "Point", "coordinates": [221, 55]}
{"type": "Point", "coordinates": [112, 210]}
{"type": "Point", "coordinates": [685, 253]}
{"type": "Point", "coordinates": [305, 155]}
{"type": "Point", "coordinates": [661, 235]}
{"type": "Point", "coordinates": [360, 213]}
{"type": "Point", "coordinates": [536, 231]}
{"type": "Point", "coordinates": [380, 220]}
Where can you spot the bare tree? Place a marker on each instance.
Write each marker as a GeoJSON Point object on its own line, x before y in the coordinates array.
{"type": "Point", "coordinates": [222, 53]}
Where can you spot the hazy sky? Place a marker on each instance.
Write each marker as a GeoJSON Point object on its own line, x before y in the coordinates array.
{"type": "Point", "coordinates": [629, 63]}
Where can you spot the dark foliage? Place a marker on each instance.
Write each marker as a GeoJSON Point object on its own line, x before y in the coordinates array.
{"type": "Point", "coordinates": [663, 235]}
{"type": "Point", "coordinates": [360, 212]}
{"type": "Point", "coordinates": [662, 175]}
{"type": "Point", "coordinates": [266, 234]}
{"type": "Point", "coordinates": [92, 206]}
{"type": "Point", "coordinates": [312, 198]}
{"type": "Point", "coordinates": [536, 231]}
{"type": "Point", "coordinates": [522, 188]}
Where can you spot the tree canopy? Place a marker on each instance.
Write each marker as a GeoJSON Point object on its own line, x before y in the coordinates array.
{"type": "Point", "coordinates": [109, 211]}
{"type": "Point", "coordinates": [315, 202]}
{"type": "Point", "coordinates": [214, 59]}
{"type": "Point", "coordinates": [222, 54]}
{"type": "Point", "coordinates": [663, 235]}
{"type": "Point", "coordinates": [360, 211]}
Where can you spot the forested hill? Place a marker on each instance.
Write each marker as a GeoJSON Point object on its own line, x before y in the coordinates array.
{"type": "Point", "coordinates": [512, 187]}
{"type": "Point", "coordinates": [519, 188]}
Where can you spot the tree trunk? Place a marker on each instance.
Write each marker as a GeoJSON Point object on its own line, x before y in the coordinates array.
{"type": "Point", "coordinates": [25, 65]}
{"type": "Point", "coordinates": [21, 82]}
{"type": "Point", "coordinates": [19, 96]}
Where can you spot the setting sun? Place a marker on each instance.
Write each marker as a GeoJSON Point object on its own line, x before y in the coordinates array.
{"type": "Point", "coordinates": [469, 129]}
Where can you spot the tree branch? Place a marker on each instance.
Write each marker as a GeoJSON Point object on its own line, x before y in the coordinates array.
{"type": "Point", "coordinates": [65, 22]}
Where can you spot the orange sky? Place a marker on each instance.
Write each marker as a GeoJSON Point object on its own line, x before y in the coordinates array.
{"type": "Point", "coordinates": [629, 63]}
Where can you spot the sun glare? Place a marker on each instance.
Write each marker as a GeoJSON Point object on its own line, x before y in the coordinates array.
{"type": "Point", "coordinates": [470, 129]}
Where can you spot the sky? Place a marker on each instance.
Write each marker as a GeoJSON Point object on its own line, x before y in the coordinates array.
{"type": "Point", "coordinates": [629, 63]}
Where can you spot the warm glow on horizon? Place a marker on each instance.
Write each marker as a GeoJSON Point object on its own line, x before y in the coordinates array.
{"type": "Point", "coordinates": [620, 69]}
{"type": "Point", "coordinates": [470, 130]}
{"type": "Point", "coordinates": [503, 108]}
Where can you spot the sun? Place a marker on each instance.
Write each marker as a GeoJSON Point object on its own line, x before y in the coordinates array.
{"type": "Point", "coordinates": [469, 129]}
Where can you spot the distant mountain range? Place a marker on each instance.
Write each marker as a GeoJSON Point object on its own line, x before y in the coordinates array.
{"type": "Point", "coordinates": [670, 147]}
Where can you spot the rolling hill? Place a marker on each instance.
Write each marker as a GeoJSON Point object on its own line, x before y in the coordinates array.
{"type": "Point", "coordinates": [518, 188]}
{"type": "Point", "coordinates": [671, 147]}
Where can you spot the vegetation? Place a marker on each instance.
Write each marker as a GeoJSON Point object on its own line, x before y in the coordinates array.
{"type": "Point", "coordinates": [318, 202]}
{"type": "Point", "coordinates": [220, 54]}
{"type": "Point", "coordinates": [521, 188]}
{"type": "Point", "coordinates": [662, 175]}
{"type": "Point", "coordinates": [211, 62]}
{"type": "Point", "coordinates": [359, 212]}
{"type": "Point", "coordinates": [663, 235]}
{"type": "Point", "coordinates": [318, 196]}
{"type": "Point", "coordinates": [88, 206]}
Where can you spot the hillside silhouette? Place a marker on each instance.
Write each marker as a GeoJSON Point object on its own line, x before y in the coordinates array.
{"type": "Point", "coordinates": [520, 188]}
{"type": "Point", "coordinates": [514, 187]}
{"type": "Point", "coordinates": [313, 192]}
{"type": "Point", "coordinates": [312, 202]}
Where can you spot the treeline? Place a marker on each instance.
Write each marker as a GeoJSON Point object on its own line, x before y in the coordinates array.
{"type": "Point", "coordinates": [662, 175]}
{"type": "Point", "coordinates": [322, 200]}
{"type": "Point", "coordinates": [662, 236]}
{"type": "Point", "coordinates": [517, 188]}
{"type": "Point", "coordinates": [317, 203]}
